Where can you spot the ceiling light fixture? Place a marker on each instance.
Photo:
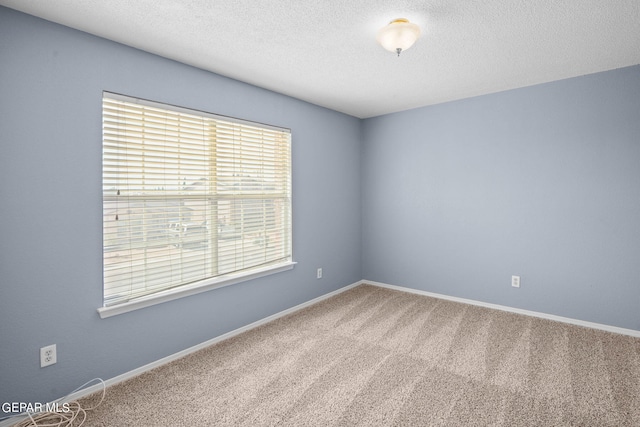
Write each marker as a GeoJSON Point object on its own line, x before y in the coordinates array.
{"type": "Point", "coordinates": [398, 36]}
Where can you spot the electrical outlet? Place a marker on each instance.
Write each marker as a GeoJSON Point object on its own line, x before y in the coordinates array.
{"type": "Point", "coordinates": [515, 281]}
{"type": "Point", "coordinates": [48, 355]}
{"type": "Point", "coordinates": [319, 273]}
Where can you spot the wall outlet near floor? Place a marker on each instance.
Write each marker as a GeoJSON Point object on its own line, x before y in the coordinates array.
{"type": "Point", "coordinates": [319, 273]}
{"type": "Point", "coordinates": [515, 281]}
{"type": "Point", "coordinates": [48, 355]}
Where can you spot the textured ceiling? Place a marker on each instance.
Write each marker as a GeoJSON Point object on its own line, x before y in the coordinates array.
{"type": "Point", "coordinates": [324, 51]}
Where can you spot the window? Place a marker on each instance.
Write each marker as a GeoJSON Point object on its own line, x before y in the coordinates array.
{"type": "Point", "coordinates": [190, 199]}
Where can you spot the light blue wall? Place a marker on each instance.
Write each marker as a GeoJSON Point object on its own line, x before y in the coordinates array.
{"type": "Point", "coordinates": [541, 182]}
{"type": "Point", "coordinates": [51, 83]}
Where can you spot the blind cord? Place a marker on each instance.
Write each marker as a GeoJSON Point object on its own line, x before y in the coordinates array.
{"type": "Point", "coordinates": [75, 416]}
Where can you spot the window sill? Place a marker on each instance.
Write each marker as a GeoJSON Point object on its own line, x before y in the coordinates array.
{"type": "Point", "coordinates": [196, 288]}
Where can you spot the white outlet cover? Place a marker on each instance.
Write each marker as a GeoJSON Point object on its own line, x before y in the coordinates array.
{"type": "Point", "coordinates": [515, 281]}
{"type": "Point", "coordinates": [48, 355]}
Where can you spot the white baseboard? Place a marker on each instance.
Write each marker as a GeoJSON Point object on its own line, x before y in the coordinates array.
{"type": "Point", "coordinates": [614, 329]}
{"type": "Point", "coordinates": [135, 372]}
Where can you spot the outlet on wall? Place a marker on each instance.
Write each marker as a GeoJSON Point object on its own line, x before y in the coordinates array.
{"type": "Point", "coordinates": [515, 281]}
{"type": "Point", "coordinates": [48, 355]}
{"type": "Point", "coordinates": [319, 273]}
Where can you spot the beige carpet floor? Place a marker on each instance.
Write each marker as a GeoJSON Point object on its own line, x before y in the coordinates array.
{"type": "Point", "coordinates": [373, 356]}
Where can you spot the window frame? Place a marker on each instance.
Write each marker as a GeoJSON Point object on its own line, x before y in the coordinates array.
{"type": "Point", "coordinates": [218, 279]}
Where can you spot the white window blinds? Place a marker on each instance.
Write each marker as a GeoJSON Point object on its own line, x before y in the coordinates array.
{"type": "Point", "coordinates": [189, 197]}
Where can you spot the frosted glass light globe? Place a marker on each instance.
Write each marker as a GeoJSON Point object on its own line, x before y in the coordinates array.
{"type": "Point", "coordinates": [398, 36]}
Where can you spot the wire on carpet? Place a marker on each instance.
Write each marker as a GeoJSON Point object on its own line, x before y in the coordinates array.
{"type": "Point", "coordinates": [73, 415]}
